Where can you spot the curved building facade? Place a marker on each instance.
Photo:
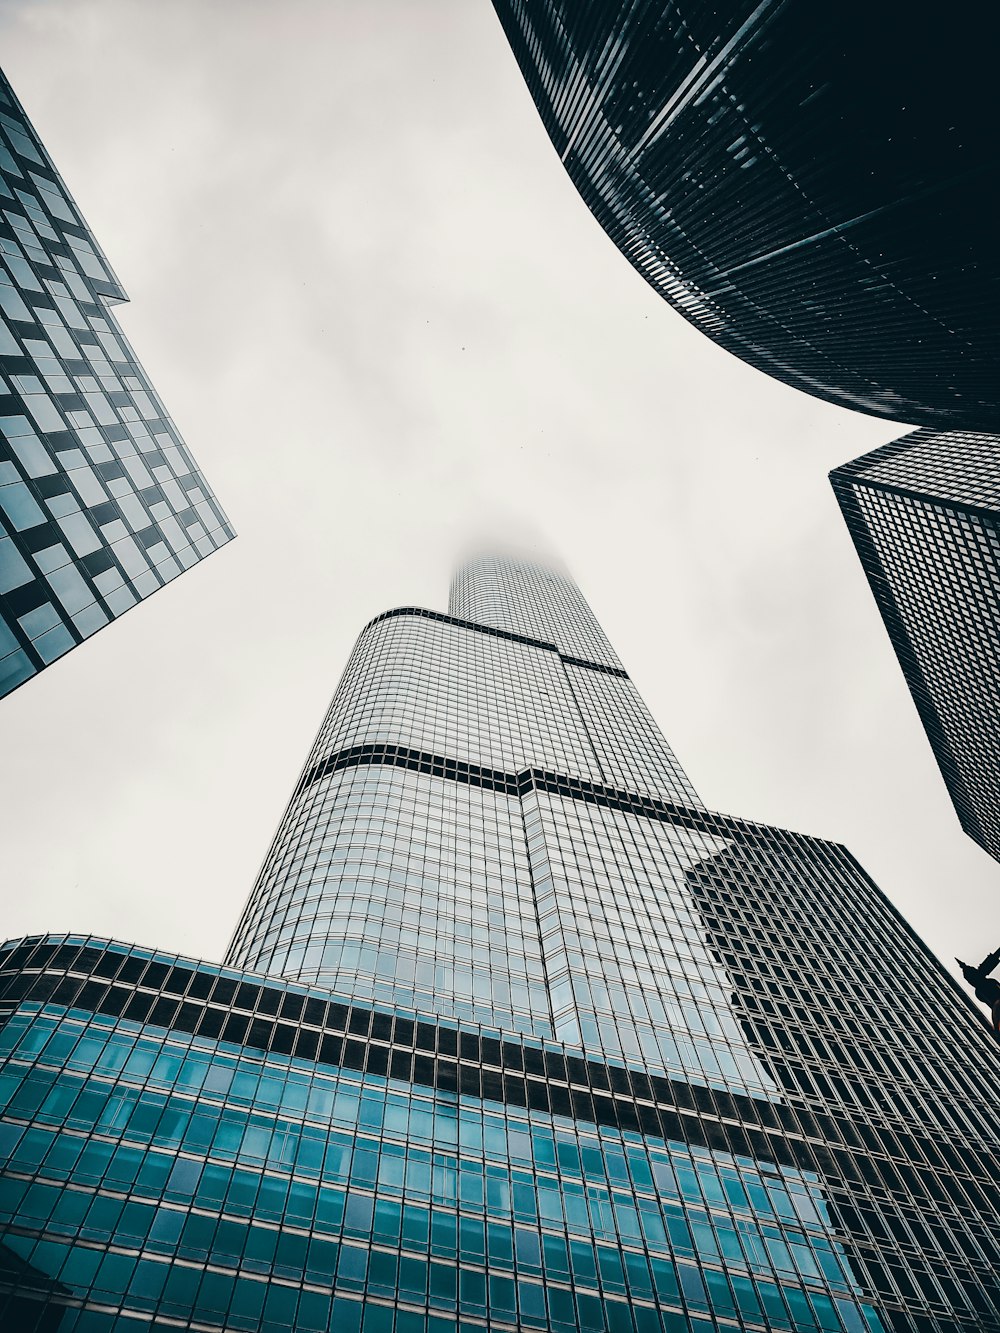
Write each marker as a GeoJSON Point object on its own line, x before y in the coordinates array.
{"type": "Point", "coordinates": [425, 860]}
{"type": "Point", "coordinates": [807, 184]}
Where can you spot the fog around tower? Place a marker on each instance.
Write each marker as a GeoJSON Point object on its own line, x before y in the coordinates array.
{"type": "Point", "coordinates": [395, 337]}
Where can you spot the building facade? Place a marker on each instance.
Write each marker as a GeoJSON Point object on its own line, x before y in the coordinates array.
{"type": "Point", "coordinates": [924, 515]}
{"type": "Point", "coordinates": [100, 502]}
{"type": "Point", "coordinates": [513, 1034]}
{"type": "Point", "coordinates": [803, 183]}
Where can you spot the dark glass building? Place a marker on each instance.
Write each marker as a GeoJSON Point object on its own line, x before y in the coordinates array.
{"type": "Point", "coordinates": [513, 1034]}
{"type": "Point", "coordinates": [806, 183]}
{"type": "Point", "coordinates": [100, 502]}
{"type": "Point", "coordinates": [924, 514]}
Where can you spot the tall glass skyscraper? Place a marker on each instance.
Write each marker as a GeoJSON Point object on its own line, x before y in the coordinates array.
{"type": "Point", "coordinates": [803, 182]}
{"type": "Point", "coordinates": [100, 502]}
{"type": "Point", "coordinates": [924, 515]}
{"type": "Point", "coordinates": [513, 1034]}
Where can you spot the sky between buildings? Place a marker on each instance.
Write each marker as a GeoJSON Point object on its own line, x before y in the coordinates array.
{"type": "Point", "coordinates": [392, 333]}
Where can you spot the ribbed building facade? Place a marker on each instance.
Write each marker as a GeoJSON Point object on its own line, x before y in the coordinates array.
{"type": "Point", "coordinates": [807, 184]}
{"type": "Point", "coordinates": [101, 503]}
{"type": "Point", "coordinates": [924, 515]}
{"type": "Point", "coordinates": [513, 1034]}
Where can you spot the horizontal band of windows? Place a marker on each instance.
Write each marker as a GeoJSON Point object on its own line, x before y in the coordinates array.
{"type": "Point", "coordinates": [496, 634]}
{"type": "Point", "coordinates": [429, 1054]}
{"type": "Point", "coordinates": [527, 780]}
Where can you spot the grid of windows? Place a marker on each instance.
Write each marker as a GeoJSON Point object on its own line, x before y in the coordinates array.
{"type": "Point", "coordinates": [439, 687]}
{"type": "Point", "coordinates": [157, 1168]}
{"type": "Point", "coordinates": [533, 600]}
{"type": "Point", "coordinates": [100, 501]}
{"type": "Point", "coordinates": [627, 967]}
{"type": "Point", "coordinates": [407, 889]}
{"type": "Point", "coordinates": [425, 891]}
{"type": "Point", "coordinates": [181, 1140]}
{"type": "Point", "coordinates": [630, 749]}
{"type": "Point", "coordinates": [961, 465]}
{"type": "Point", "coordinates": [924, 514]}
{"type": "Point", "coordinates": [802, 200]}
{"type": "Point", "coordinates": [544, 1052]}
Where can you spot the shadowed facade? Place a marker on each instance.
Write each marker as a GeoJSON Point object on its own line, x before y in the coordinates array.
{"type": "Point", "coordinates": [924, 515]}
{"type": "Point", "coordinates": [807, 184]}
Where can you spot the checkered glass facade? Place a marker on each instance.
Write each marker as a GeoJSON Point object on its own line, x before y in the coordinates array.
{"type": "Point", "coordinates": [924, 515]}
{"type": "Point", "coordinates": [513, 1034]}
{"type": "Point", "coordinates": [100, 501]}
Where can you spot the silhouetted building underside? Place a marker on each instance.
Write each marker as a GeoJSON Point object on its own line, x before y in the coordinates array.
{"type": "Point", "coordinates": [807, 184]}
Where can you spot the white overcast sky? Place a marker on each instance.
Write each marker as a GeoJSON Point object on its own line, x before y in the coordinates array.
{"type": "Point", "coordinates": [390, 331]}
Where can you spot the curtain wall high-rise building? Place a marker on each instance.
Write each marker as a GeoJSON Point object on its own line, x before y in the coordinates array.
{"type": "Point", "coordinates": [924, 515]}
{"type": "Point", "coordinates": [804, 183]}
{"type": "Point", "coordinates": [513, 1034]}
{"type": "Point", "coordinates": [100, 502]}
